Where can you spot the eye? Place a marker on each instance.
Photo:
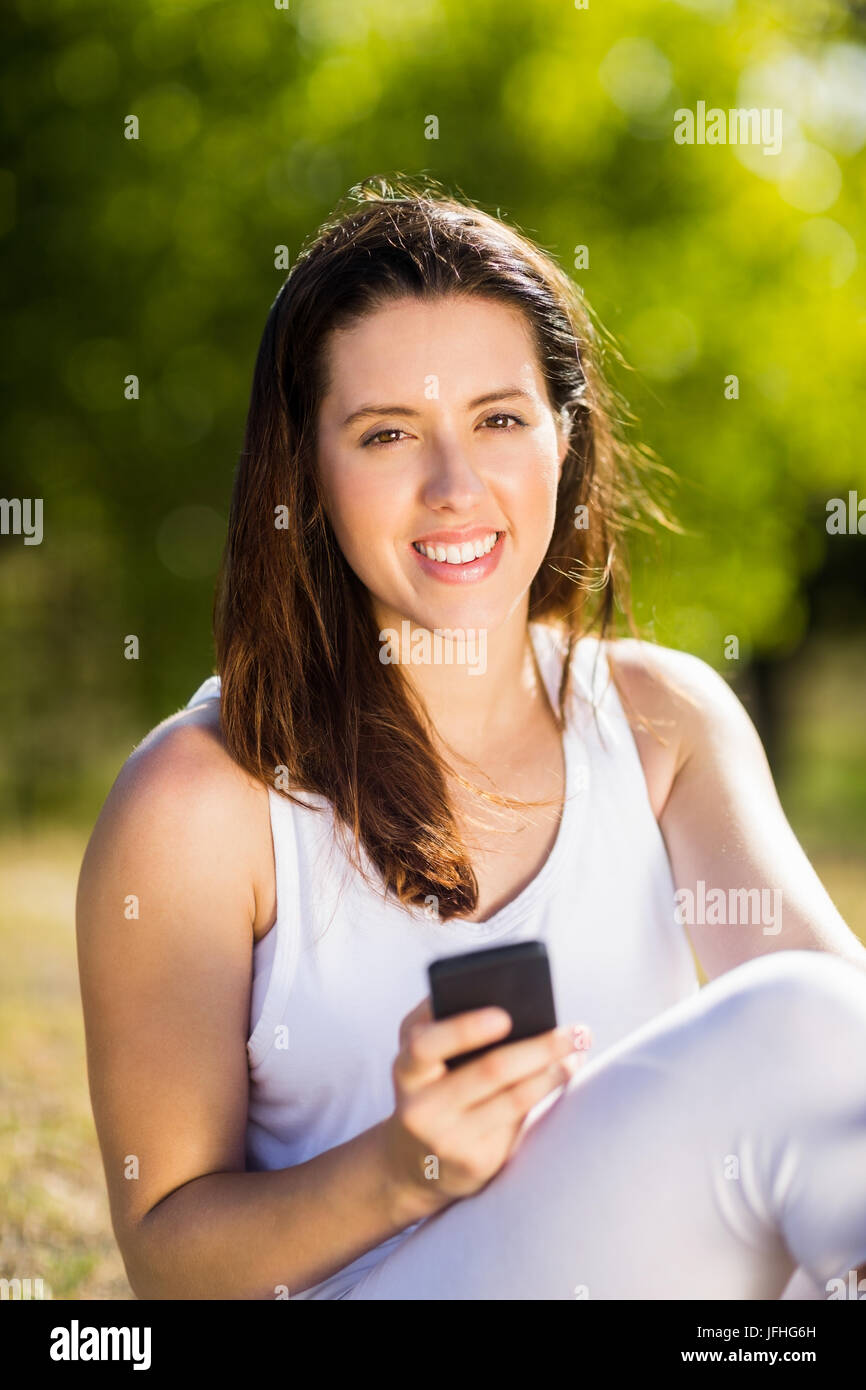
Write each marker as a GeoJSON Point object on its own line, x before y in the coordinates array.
{"type": "Point", "coordinates": [374, 438]}
{"type": "Point", "coordinates": [502, 415]}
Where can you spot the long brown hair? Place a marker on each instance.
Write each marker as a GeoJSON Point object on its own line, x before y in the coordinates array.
{"type": "Point", "coordinates": [306, 703]}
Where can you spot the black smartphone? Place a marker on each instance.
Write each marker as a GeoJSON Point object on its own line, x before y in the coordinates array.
{"type": "Point", "coordinates": [514, 978]}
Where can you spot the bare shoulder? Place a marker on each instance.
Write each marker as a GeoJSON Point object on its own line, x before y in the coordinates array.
{"type": "Point", "coordinates": [184, 763]}
{"type": "Point", "coordinates": [675, 683]}
{"type": "Point", "coordinates": [182, 806]}
{"type": "Point", "coordinates": [674, 702]}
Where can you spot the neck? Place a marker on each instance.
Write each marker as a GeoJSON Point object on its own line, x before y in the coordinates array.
{"type": "Point", "coordinates": [478, 685]}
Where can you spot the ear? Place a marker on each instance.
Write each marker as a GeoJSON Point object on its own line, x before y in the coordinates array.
{"type": "Point", "coordinates": [563, 435]}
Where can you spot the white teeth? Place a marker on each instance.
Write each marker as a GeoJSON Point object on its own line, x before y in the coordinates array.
{"type": "Point", "coordinates": [458, 554]}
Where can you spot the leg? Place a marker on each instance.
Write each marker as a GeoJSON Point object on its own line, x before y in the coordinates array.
{"type": "Point", "coordinates": [707, 1155]}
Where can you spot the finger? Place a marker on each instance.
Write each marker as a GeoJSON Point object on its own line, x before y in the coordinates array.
{"type": "Point", "coordinates": [507, 1110]}
{"type": "Point", "coordinates": [504, 1066]}
{"type": "Point", "coordinates": [428, 1044]}
{"type": "Point", "coordinates": [422, 1013]}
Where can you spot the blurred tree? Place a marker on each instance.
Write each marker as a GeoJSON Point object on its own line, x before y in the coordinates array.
{"type": "Point", "coordinates": [155, 258]}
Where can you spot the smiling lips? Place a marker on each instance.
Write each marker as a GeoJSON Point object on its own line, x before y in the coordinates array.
{"type": "Point", "coordinates": [459, 552]}
{"type": "Point", "coordinates": [459, 556]}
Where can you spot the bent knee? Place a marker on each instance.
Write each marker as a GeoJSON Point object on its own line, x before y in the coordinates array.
{"type": "Point", "coordinates": [803, 974]}
{"type": "Point", "coordinates": [799, 994]}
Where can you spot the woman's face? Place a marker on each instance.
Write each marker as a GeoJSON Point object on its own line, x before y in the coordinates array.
{"type": "Point", "coordinates": [436, 430]}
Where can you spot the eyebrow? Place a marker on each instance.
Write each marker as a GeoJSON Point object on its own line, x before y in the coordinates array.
{"type": "Point", "coordinates": [503, 393]}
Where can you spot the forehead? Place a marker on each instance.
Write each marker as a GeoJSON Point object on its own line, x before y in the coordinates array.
{"type": "Point", "coordinates": [466, 341]}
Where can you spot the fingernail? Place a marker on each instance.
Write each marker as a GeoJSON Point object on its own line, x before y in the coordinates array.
{"type": "Point", "coordinates": [581, 1038]}
{"type": "Point", "coordinates": [496, 1018]}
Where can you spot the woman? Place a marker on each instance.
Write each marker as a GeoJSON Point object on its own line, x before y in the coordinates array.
{"type": "Point", "coordinates": [432, 449]}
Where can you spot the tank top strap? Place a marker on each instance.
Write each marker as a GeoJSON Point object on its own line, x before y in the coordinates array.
{"type": "Point", "coordinates": [605, 725]}
{"type": "Point", "coordinates": [594, 709]}
{"type": "Point", "coordinates": [208, 690]}
{"type": "Point", "coordinates": [590, 673]}
{"type": "Point", "coordinates": [275, 958]}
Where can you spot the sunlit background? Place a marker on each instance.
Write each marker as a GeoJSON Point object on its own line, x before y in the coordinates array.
{"type": "Point", "coordinates": [156, 258]}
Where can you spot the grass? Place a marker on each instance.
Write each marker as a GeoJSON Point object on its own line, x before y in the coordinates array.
{"type": "Point", "coordinates": [54, 1215]}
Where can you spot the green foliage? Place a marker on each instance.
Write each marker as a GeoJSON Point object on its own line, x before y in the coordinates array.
{"type": "Point", "coordinates": [155, 257]}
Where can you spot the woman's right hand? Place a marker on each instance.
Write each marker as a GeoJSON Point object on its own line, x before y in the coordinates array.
{"type": "Point", "coordinates": [452, 1130]}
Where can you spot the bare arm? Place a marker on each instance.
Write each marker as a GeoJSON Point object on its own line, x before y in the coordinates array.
{"type": "Point", "coordinates": [166, 1000]}
{"type": "Point", "coordinates": [721, 818]}
{"type": "Point", "coordinates": [234, 1235]}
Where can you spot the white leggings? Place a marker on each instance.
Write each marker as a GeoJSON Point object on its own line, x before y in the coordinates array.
{"type": "Point", "coordinates": [711, 1153]}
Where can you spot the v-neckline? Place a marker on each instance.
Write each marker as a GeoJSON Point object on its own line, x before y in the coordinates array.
{"type": "Point", "coordinates": [515, 912]}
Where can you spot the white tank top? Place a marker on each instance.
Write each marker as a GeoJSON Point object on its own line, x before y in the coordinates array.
{"type": "Point", "coordinates": [343, 965]}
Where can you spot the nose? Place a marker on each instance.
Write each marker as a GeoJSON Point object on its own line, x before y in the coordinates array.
{"type": "Point", "coordinates": [450, 480]}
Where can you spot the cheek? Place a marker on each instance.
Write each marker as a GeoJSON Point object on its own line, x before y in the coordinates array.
{"type": "Point", "coordinates": [364, 507]}
{"type": "Point", "coordinates": [532, 485]}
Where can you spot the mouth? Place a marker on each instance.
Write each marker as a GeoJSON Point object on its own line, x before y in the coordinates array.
{"type": "Point", "coordinates": [466, 562]}
{"type": "Point", "coordinates": [467, 553]}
